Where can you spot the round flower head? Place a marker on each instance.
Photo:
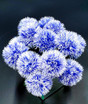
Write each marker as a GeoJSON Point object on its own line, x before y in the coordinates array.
{"type": "Point", "coordinates": [38, 85]}
{"type": "Point", "coordinates": [44, 20]}
{"type": "Point", "coordinates": [27, 63]}
{"type": "Point", "coordinates": [12, 52]}
{"type": "Point", "coordinates": [28, 27]}
{"type": "Point", "coordinates": [45, 40]}
{"type": "Point", "coordinates": [25, 21]}
{"type": "Point", "coordinates": [56, 62]}
{"type": "Point", "coordinates": [55, 26]}
{"type": "Point", "coordinates": [73, 73]}
{"type": "Point", "coordinates": [69, 44]}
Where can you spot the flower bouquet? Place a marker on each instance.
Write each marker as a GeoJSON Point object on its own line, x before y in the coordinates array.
{"type": "Point", "coordinates": [42, 51]}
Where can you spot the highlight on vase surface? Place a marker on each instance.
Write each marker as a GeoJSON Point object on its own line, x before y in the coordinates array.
{"type": "Point", "coordinates": [42, 51]}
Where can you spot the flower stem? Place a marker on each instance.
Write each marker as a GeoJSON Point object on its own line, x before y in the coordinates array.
{"type": "Point", "coordinates": [42, 97]}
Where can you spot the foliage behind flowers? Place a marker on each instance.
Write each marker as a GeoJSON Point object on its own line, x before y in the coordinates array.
{"type": "Point", "coordinates": [44, 50]}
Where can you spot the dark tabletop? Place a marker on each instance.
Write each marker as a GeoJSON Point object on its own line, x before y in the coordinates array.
{"type": "Point", "coordinates": [74, 14]}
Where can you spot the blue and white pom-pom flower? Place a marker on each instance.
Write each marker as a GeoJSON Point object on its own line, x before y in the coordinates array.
{"type": "Point", "coordinates": [73, 73]}
{"type": "Point", "coordinates": [45, 40]}
{"type": "Point", "coordinates": [56, 62]}
{"type": "Point", "coordinates": [27, 22]}
{"type": "Point", "coordinates": [40, 53]}
{"type": "Point", "coordinates": [27, 28]}
{"type": "Point", "coordinates": [55, 26]}
{"type": "Point", "coordinates": [12, 52]}
{"type": "Point", "coordinates": [70, 44]}
{"type": "Point", "coordinates": [27, 63]}
{"type": "Point", "coordinates": [38, 85]}
{"type": "Point", "coordinates": [44, 20]}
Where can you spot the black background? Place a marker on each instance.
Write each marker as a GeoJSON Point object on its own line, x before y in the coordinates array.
{"type": "Point", "coordinates": [74, 14]}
